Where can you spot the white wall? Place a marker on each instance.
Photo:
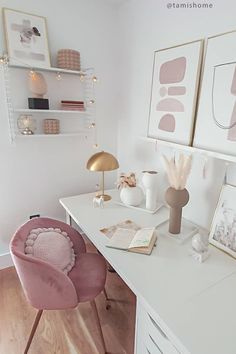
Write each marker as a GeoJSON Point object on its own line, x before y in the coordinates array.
{"type": "Point", "coordinates": [146, 26]}
{"type": "Point", "coordinates": [35, 173]}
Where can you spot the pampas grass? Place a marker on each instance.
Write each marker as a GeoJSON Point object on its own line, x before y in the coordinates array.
{"type": "Point", "coordinates": [178, 171]}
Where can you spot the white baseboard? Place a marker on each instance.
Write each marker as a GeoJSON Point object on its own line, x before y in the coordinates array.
{"type": "Point", "coordinates": [5, 261]}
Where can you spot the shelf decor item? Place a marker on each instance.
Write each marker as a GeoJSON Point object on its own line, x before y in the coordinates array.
{"type": "Point", "coordinates": [38, 87]}
{"type": "Point", "coordinates": [68, 59]}
{"type": "Point", "coordinates": [177, 195]}
{"type": "Point", "coordinates": [26, 39]}
{"type": "Point", "coordinates": [217, 104]}
{"type": "Point", "coordinates": [51, 126]}
{"type": "Point", "coordinates": [101, 162]}
{"type": "Point", "coordinates": [223, 229]}
{"type": "Point", "coordinates": [130, 193]}
{"type": "Point", "coordinates": [26, 124]}
{"type": "Point", "coordinates": [175, 81]}
{"type": "Point", "coordinates": [150, 183]}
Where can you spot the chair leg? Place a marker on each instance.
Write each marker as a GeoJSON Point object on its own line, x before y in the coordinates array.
{"type": "Point", "coordinates": [33, 330]}
{"type": "Point", "coordinates": [95, 311]}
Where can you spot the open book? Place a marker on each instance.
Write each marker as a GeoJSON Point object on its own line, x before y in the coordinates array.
{"type": "Point", "coordinates": [141, 241]}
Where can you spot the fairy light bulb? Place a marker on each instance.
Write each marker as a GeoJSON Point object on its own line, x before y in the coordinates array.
{"type": "Point", "coordinates": [91, 101]}
{"type": "Point", "coordinates": [82, 77]}
{"type": "Point", "coordinates": [95, 146]}
{"type": "Point", "coordinates": [92, 125]}
{"type": "Point", "coordinates": [58, 76]}
{"type": "Point", "coordinates": [94, 78]}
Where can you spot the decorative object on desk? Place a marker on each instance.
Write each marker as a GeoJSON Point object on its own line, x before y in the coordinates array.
{"type": "Point", "coordinates": [188, 229]}
{"type": "Point", "coordinates": [130, 193]}
{"type": "Point", "coordinates": [176, 73]}
{"type": "Point", "coordinates": [68, 59]}
{"type": "Point", "coordinates": [217, 103]}
{"type": "Point", "coordinates": [140, 241]}
{"type": "Point", "coordinates": [177, 195]}
{"type": "Point", "coordinates": [199, 249]}
{"type": "Point", "coordinates": [150, 183]}
{"type": "Point", "coordinates": [38, 87]}
{"type": "Point", "coordinates": [127, 224]}
{"type": "Point", "coordinates": [26, 38]}
{"type": "Point", "coordinates": [98, 202]}
{"type": "Point", "coordinates": [101, 162]}
{"type": "Point", "coordinates": [51, 126]}
{"type": "Point", "coordinates": [223, 229]}
{"type": "Point", "coordinates": [72, 105]}
{"type": "Point", "coordinates": [26, 124]}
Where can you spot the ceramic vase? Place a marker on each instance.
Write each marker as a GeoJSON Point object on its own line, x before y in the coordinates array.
{"type": "Point", "coordinates": [132, 195]}
{"type": "Point", "coordinates": [150, 183]}
{"type": "Point", "coordinates": [176, 199]}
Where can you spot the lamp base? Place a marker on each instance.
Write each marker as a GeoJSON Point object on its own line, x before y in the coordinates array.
{"type": "Point", "coordinates": [106, 197]}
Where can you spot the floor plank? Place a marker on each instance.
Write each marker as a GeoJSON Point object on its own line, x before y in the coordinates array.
{"type": "Point", "coordinates": [67, 331]}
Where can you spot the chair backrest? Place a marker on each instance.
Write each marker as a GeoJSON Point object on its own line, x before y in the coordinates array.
{"type": "Point", "coordinates": [45, 286]}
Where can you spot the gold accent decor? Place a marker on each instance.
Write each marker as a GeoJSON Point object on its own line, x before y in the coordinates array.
{"type": "Point", "coordinates": [102, 161]}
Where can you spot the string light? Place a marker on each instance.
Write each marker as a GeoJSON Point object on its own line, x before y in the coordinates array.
{"type": "Point", "coordinates": [91, 101]}
{"type": "Point", "coordinates": [94, 78]}
{"type": "Point", "coordinates": [95, 146]}
{"type": "Point", "coordinates": [58, 76]}
{"type": "Point", "coordinates": [82, 77]}
{"type": "Point", "coordinates": [92, 125]}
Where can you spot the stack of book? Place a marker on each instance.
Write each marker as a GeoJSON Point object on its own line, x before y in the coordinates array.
{"type": "Point", "coordinates": [73, 105]}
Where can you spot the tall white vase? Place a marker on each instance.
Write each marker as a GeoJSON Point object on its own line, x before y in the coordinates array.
{"type": "Point", "coordinates": [150, 183]}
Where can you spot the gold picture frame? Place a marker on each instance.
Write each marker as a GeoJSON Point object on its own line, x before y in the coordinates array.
{"type": "Point", "coordinates": [26, 39]}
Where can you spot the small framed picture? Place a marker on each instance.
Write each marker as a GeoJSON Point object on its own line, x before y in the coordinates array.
{"type": "Point", "coordinates": [26, 39]}
{"type": "Point", "coordinates": [223, 230]}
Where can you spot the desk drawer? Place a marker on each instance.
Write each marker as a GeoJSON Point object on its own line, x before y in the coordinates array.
{"type": "Point", "coordinates": [153, 336]}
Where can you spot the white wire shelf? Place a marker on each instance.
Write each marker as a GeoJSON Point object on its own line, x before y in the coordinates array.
{"type": "Point", "coordinates": [50, 69]}
{"type": "Point", "coordinates": [81, 133]}
{"type": "Point", "coordinates": [191, 149]}
{"type": "Point", "coordinates": [48, 111]}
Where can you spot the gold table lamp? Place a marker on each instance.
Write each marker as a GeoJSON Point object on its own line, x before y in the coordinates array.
{"type": "Point", "coordinates": [102, 161]}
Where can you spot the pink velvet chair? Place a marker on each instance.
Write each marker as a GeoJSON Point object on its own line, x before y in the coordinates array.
{"type": "Point", "coordinates": [47, 287]}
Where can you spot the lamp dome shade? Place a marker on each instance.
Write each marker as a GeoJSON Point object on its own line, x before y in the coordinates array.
{"type": "Point", "coordinates": [102, 161]}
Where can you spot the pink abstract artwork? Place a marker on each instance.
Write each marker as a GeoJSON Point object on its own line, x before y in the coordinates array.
{"type": "Point", "coordinates": [173, 71]}
{"type": "Point", "coordinates": [233, 86]}
{"type": "Point", "coordinates": [177, 90]}
{"type": "Point", "coordinates": [167, 123]}
{"type": "Point", "coordinates": [170, 105]}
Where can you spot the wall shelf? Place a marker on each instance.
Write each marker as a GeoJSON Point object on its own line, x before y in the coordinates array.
{"type": "Point", "coordinates": [81, 133]}
{"type": "Point", "coordinates": [191, 149]}
{"type": "Point", "coordinates": [50, 69]}
{"type": "Point", "coordinates": [48, 111]}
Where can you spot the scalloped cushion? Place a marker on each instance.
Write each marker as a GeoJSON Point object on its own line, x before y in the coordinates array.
{"type": "Point", "coordinates": [52, 246]}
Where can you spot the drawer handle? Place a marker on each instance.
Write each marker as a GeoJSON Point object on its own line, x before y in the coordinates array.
{"type": "Point", "coordinates": [158, 327]}
{"type": "Point", "coordinates": [155, 344]}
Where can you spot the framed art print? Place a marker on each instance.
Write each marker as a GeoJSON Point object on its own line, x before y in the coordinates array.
{"type": "Point", "coordinates": [175, 82]}
{"type": "Point", "coordinates": [26, 39]}
{"type": "Point", "coordinates": [216, 120]}
{"type": "Point", "coordinates": [223, 230]}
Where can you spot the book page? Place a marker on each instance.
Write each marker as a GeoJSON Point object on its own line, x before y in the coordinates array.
{"type": "Point", "coordinates": [121, 238]}
{"type": "Point", "coordinates": [142, 238]}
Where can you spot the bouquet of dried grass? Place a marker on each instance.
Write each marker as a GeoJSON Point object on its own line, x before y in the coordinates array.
{"type": "Point", "coordinates": [178, 171]}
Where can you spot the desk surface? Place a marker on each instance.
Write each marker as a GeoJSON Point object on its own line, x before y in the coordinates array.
{"type": "Point", "coordinates": [194, 301]}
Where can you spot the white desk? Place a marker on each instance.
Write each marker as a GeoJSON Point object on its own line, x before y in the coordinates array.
{"type": "Point", "coordinates": [192, 303]}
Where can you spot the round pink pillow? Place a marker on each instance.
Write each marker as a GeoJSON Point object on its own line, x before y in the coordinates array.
{"type": "Point", "coordinates": [53, 246]}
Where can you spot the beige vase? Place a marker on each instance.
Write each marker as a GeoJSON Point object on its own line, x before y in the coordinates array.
{"type": "Point", "coordinates": [176, 199]}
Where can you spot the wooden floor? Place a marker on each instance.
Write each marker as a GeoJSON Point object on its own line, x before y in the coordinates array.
{"type": "Point", "coordinates": [70, 331]}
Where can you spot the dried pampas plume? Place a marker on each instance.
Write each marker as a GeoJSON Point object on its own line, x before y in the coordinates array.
{"type": "Point", "coordinates": [178, 171]}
